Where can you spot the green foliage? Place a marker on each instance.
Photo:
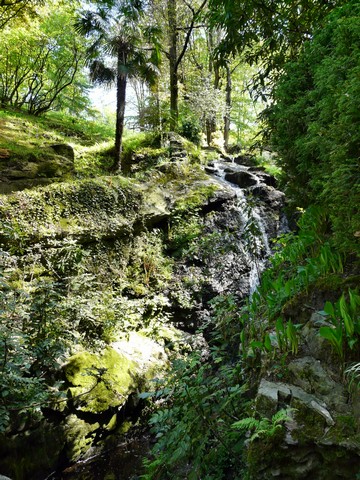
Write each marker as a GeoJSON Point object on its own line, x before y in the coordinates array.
{"type": "Point", "coordinates": [34, 339]}
{"type": "Point", "coordinates": [190, 129]}
{"type": "Point", "coordinates": [315, 124]}
{"type": "Point", "coordinates": [149, 267]}
{"type": "Point", "coordinates": [206, 103]}
{"type": "Point", "coordinates": [286, 336]}
{"type": "Point", "coordinates": [136, 141]}
{"type": "Point", "coordinates": [141, 152]}
{"type": "Point", "coordinates": [199, 403]}
{"type": "Point", "coordinates": [25, 137]}
{"type": "Point", "coordinates": [244, 109]}
{"type": "Point", "coordinates": [186, 223]}
{"type": "Point", "coordinates": [15, 11]}
{"type": "Point", "coordinates": [267, 33]}
{"type": "Point", "coordinates": [353, 375]}
{"type": "Point", "coordinates": [344, 333]}
{"type": "Point", "coordinates": [38, 64]}
{"type": "Point", "coordinates": [87, 131]}
{"type": "Point", "coordinates": [301, 261]}
{"type": "Point", "coordinates": [263, 427]}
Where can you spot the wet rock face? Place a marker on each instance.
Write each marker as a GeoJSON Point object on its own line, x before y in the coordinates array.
{"type": "Point", "coordinates": [243, 179]}
{"type": "Point", "coordinates": [271, 197]}
{"type": "Point", "coordinates": [223, 261]}
{"type": "Point", "coordinates": [248, 160]}
{"type": "Point", "coordinates": [264, 177]}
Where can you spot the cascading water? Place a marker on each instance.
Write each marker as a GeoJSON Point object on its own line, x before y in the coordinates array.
{"type": "Point", "coordinates": [255, 239]}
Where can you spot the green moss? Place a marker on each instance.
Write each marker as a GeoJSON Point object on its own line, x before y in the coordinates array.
{"type": "Point", "coordinates": [100, 381]}
{"type": "Point", "coordinates": [265, 452]}
{"type": "Point", "coordinates": [312, 425]}
{"type": "Point", "coordinates": [79, 436]}
{"type": "Point", "coordinates": [25, 137]}
{"type": "Point", "coordinates": [87, 208]}
{"type": "Point", "coordinates": [124, 428]}
{"type": "Point", "coordinates": [344, 428]}
{"type": "Point", "coordinates": [331, 282]}
{"type": "Point", "coordinates": [49, 169]}
{"type": "Point", "coordinates": [195, 198]}
{"type": "Point", "coordinates": [112, 424]}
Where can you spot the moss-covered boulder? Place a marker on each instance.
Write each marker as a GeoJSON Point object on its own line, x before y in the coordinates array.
{"type": "Point", "coordinates": [103, 386]}
{"type": "Point", "coordinates": [79, 436]}
{"type": "Point", "coordinates": [99, 382]}
{"type": "Point", "coordinates": [320, 436]}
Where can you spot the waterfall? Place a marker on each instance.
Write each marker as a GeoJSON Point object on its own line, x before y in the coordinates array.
{"type": "Point", "coordinates": [255, 240]}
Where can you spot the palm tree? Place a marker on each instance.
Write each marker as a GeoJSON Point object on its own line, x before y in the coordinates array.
{"type": "Point", "coordinates": [116, 34]}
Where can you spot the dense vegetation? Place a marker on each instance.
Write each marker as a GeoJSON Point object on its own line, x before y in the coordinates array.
{"type": "Point", "coordinates": [314, 124]}
{"type": "Point", "coordinates": [191, 66]}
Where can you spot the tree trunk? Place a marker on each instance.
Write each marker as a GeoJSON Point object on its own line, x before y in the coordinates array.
{"type": "Point", "coordinates": [228, 107]}
{"type": "Point", "coordinates": [209, 126]}
{"type": "Point", "coordinates": [120, 118]}
{"type": "Point", "coordinates": [174, 89]}
{"type": "Point", "coordinates": [214, 69]}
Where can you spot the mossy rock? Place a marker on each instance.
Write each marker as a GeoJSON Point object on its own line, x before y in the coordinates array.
{"type": "Point", "coordinates": [99, 382]}
{"type": "Point", "coordinates": [27, 170]}
{"type": "Point", "coordinates": [149, 355]}
{"type": "Point", "coordinates": [86, 210]}
{"type": "Point", "coordinates": [79, 437]}
{"type": "Point", "coordinates": [64, 150]}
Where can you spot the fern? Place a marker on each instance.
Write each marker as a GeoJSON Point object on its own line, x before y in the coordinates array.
{"type": "Point", "coordinates": [264, 427]}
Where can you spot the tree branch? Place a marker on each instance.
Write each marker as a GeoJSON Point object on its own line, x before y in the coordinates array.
{"type": "Point", "coordinates": [187, 38]}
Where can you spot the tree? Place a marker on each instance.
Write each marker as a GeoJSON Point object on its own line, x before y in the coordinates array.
{"type": "Point", "coordinates": [209, 104]}
{"type": "Point", "coordinates": [268, 33]}
{"type": "Point", "coordinates": [178, 33]}
{"type": "Point", "coordinates": [175, 60]}
{"type": "Point", "coordinates": [243, 109]}
{"type": "Point", "coordinates": [16, 9]}
{"type": "Point", "coordinates": [116, 33]}
{"type": "Point", "coordinates": [38, 64]}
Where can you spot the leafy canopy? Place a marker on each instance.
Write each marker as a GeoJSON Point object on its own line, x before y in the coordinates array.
{"type": "Point", "coordinates": [268, 32]}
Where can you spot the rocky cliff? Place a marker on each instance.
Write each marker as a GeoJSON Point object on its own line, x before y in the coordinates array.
{"type": "Point", "coordinates": [108, 279]}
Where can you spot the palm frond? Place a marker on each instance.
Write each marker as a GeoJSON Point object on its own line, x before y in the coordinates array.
{"type": "Point", "coordinates": [90, 23]}
{"type": "Point", "coordinates": [94, 50]}
{"type": "Point", "coordinates": [101, 74]}
{"type": "Point", "coordinates": [119, 43]}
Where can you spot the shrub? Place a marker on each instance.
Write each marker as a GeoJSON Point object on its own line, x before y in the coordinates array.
{"type": "Point", "coordinates": [315, 124]}
{"type": "Point", "coordinates": [191, 130]}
